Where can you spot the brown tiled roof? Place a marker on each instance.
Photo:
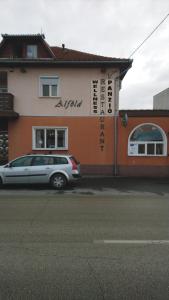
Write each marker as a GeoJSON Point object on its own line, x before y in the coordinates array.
{"type": "Point", "coordinates": [61, 53]}
{"type": "Point", "coordinates": [64, 54]}
{"type": "Point", "coordinates": [63, 57]}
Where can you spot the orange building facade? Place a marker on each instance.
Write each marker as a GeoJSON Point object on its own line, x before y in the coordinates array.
{"type": "Point", "coordinates": [85, 140]}
{"type": "Point", "coordinates": [153, 159]}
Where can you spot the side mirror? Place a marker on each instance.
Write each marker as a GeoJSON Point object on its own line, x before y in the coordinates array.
{"type": "Point", "coordinates": [8, 165]}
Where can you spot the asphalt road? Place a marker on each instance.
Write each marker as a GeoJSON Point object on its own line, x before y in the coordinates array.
{"type": "Point", "coordinates": [76, 246]}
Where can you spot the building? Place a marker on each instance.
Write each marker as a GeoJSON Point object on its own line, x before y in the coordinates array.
{"type": "Point", "coordinates": [143, 143]}
{"type": "Point", "coordinates": [57, 100]}
{"type": "Point", "coordinates": [143, 140]}
{"type": "Point", "coordinates": [161, 100]}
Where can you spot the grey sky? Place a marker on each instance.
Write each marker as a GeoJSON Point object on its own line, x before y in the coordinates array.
{"type": "Point", "coordinates": [106, 27]}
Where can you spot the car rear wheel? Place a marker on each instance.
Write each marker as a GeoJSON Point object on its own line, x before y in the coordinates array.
{"type": "Point", "coordinates": [58, 181]}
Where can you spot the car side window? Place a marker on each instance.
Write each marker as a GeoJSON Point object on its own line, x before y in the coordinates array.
{"type": "Point", "coordinates": [60, 161]}
{"type": "Point", "coordinates": [51, 161]}
{"type": "Point", "coordinates": [40, 161]}
{"type": "Point", "coordinates": [22, 162]}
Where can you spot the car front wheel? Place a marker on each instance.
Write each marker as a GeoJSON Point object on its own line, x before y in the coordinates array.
{"type": "Point", "coordinates": [58, 181]}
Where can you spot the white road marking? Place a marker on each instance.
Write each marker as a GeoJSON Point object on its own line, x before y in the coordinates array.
{"type": "Point", "coordinates": [131, 242]}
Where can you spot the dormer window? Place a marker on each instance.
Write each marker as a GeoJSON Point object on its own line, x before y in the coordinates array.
{"type": "Point", "coordinates": [31, 51]}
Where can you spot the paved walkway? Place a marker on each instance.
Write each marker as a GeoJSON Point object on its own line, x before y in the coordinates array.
{"type": "Point", "coordinates": [122, 186]}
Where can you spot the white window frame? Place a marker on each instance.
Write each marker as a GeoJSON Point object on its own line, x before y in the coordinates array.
{"type": "Point", "coordinates": [50, 86]}
{"type": "Point", "coordinates": [34, 51]}
{"type": "Point", "coordinates": [34, 128]}
{"type": "Point", "coordinates": [136, 143]}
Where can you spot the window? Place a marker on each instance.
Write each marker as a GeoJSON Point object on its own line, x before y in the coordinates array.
{"type": "Point", "coordinates": [31, 51]}
{"type": "Point", "coordinates": [22, 162]}
{"type": "Point", "coordinates": [49, 86]}
{"type": "Point", "coordinates": [60, 161]}
{"type": "Point", "coordinates": [40, 161]}
{"type": "Point", "coordinates": [3, 82]}
{"type": "Point", "coordinates": [50, 138]}
{"type": "Point", "coordinates": [147, 140]}
{"type": "Point", "coordinates": [49, 160]}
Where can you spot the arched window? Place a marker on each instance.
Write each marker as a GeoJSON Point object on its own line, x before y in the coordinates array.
{"type": "Point", "coordinates": [147, 140]}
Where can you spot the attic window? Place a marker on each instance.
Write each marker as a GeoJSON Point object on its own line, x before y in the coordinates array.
{"type": "Point", "coordinates": [31, 51]}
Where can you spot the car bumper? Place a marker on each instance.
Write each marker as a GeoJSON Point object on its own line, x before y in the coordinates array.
{"type": "Point", "coordinates": [76, 176]}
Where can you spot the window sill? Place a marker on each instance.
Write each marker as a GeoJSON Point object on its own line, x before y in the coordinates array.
{"type": "Point", "coordinates": [49, 149]}
{"type": "Point", "coordinates": [50, 97]}
{"type": "Point", "coordinates": [143, 155]}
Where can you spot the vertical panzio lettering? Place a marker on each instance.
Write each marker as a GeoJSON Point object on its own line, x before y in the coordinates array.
{"type": "Point", "coordinates": [109, 104]}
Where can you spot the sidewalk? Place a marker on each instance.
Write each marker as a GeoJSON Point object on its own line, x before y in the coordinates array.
{"type": "Point", "coordinates": [159, 186]}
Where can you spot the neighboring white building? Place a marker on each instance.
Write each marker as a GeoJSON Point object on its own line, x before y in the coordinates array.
{"type": "Point", "coordinates": [161, 100]}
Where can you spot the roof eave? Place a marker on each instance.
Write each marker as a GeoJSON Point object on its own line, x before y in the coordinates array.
{"type": "Point", "coordinates": [144, 112]}
{"type": "Point", "coordinates": [19, 62]}
{"type": "Point", "coordinates": [123, 64]}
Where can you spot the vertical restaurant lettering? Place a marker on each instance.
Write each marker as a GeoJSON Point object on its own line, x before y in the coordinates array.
{"type": "Point", "coordinates": [102, 96]}
{"type": "Point", "coordinates": [102, 133]}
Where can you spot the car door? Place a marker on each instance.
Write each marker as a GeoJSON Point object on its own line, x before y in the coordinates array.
{"type": "Point", "coordinates": [39, 170]}
{"type": "Point", "coordinates": [18, 170]}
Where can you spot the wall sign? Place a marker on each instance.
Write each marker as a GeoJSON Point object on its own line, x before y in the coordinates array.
{"type": "Point", "coordinates": [109, 96]}
{"type": "Point", "coordinates": [95, 95]}
{"type": "Point", "coordinates": [102, 97]}
{"type": "Point", "coordinates": [102, 133]}
{"type": "Point", "coordinates": [68, 104]}
{"type": "Point", "coordinates": [133, 149]}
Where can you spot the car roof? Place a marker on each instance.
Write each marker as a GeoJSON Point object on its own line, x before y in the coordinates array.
{"type": "Point", "coordinates": [60, 155]}
{"type": "Point", "coordinates": [43, 155]}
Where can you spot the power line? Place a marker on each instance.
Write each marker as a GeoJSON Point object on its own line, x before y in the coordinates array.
{"type": "Point", "coordinates": [149, 35]}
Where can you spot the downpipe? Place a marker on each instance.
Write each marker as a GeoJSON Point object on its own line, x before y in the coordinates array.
{"type": "Point", "coordinates": [116, 113]}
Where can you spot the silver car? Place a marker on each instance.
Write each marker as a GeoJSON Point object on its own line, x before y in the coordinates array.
{"type": "Point", "coordinates": [57, 170]}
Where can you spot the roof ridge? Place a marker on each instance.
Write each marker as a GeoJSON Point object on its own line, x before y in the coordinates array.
{"type": "Point", "coordinates": [6, 35]}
